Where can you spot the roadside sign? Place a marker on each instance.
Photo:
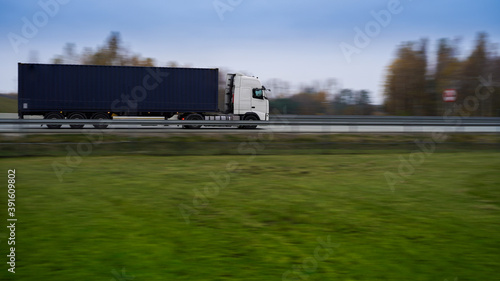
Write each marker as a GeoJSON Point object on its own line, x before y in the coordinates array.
{"type": "Point", "coordinates": [450, 95]}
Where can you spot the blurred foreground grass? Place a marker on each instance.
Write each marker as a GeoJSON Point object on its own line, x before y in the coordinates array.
{"type": "Point", "coordinates": [118, 218]}
{"type": "Point", "coordinates": [251, 143]}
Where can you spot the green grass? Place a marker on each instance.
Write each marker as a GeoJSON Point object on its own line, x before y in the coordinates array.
{"type": "Point", "coordinates": [8, 105]}
{"type": "Point", "coordinates": [167, 144]}
{"type": "Point", "coordinates": [114, 212]}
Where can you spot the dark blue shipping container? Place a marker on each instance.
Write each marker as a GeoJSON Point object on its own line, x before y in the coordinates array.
{"type": "Point", "coordinates": [123, 90]}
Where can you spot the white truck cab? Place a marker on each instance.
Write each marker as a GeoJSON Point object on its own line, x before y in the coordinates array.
{"type": "Point", "coordinates": [245, 96]}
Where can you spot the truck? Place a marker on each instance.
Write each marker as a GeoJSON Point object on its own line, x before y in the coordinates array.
{"type": "Point", "coordinates": [96, 92]}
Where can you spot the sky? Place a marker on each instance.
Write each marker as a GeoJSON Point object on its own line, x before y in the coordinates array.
{"type": "Point", "coordinates": [301, 42]}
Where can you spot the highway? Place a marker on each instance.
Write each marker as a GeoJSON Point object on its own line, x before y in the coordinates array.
{"type": "Point", "coordinates": [278, 124]}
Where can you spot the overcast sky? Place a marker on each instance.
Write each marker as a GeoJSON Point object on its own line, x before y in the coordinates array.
{"type": "Point", "coordinates": [296, 41]}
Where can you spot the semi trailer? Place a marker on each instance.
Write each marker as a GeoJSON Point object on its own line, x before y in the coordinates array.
{"type": "Point", "coordinates": [91, 92]}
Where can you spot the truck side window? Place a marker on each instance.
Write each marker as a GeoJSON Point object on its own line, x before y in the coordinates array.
{"type": "Point", "coordinates": [258, 94]}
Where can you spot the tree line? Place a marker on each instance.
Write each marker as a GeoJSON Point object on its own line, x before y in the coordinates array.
{"type": "Point", "coordinates": [414, 84]}
{"type": "Point", "coordinates": [308, 102]}
{"type": "Point", "coordinates": [111, 53]}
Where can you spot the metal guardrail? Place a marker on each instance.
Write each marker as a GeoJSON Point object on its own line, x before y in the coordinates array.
{"type": "Point", "coordinates": [296, 116]}
{"type": "Point", "coordinates": [371, 118]}
{"type": "Point", "coordinates": [334, 121]}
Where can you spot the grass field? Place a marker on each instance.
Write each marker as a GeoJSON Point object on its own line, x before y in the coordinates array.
{"type": "Point", "coordinates": [8, 105]}
{"type": "Point", "coordinates": [287, 217]}
{"type": "Point", "coordinates": [254, 142]}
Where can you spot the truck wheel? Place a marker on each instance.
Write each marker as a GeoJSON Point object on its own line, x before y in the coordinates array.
{"type": "Point", "coordinates": [100, 116]}
{"type": "Point", "coordinates": [193, 117]}
{"type": "Point", "coordinates": [77, 116]}
{"type": "Point", "coordinates": [249, 118]}
{"type": "Point", "coordinates": [54, 115]}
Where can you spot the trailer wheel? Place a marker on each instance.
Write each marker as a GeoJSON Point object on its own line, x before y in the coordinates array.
{"type": "Point", "coordinates": [249, 118]}
{"type": "Point", "coordinates": [193, 117]}
{"type": "Point", "coordinates": [77, 116]}
{"type": "Point", "coordinates": [100, 116]}
{"type": "Point", "coordinates": [53, 115]}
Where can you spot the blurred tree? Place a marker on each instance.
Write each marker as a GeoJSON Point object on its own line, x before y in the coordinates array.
{"type": "Point", "coordinates": [345, 102]}
{"type": "Point", "coordinates": [311, 103]}
{"type": "Point", "coordinates": [475, 66]}
{"type": "Point", "coordinates": [349, 102]}
{"type": "Point", "coordinates": [364, 103]}
{"type": "Point", "coordinates": [406, 83]}
{"type": "Point", "coordinates": [342, 101]}
{"type": "Point", "coordinates": [111, 53]}
{"type": "Point", "coordinates": [278, 87]}
{"type": "Point", "coordinates": [172, 64]}
{"type": "Point", "coordinates": [284, 106]}
{"type": "Point", "coordinates": [447, 72]}
{"type": "Point", "coordinates": [411, 88]}
{"type": "Point", "coordinates": [69, 55]}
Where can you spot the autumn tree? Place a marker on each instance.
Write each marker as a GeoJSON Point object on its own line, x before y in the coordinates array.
{"type": "Point", "coordinates": [413, 88]}
{"type": "Point", "coordinates": [474, 67]}
{"type": "Point", "coordinates": [447, 71]}
{"type": "Point", "coordinates": [310, 103]}
{"type": "Point", "coordinates": [111, 53]}
{"type": "Point", "coordinates": [405, 89]}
